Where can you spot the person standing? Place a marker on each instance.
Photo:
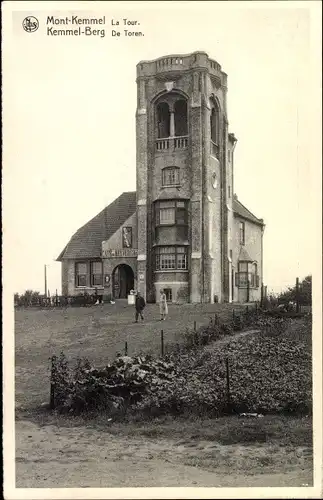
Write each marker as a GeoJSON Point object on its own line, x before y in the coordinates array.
{"type": "Point", "coordinates": [140, 306]}
{"type": "Point", "coordinates": [163, 308]}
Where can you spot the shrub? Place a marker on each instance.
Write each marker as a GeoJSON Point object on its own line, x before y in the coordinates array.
{"type": "Point", "coordinates": [270, 372]}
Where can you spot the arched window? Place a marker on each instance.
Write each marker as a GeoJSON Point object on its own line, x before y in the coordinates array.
{"type": "Point", "coordinates": [163, 120]}
{"type": "Point", "coordinates": [215, 123]}
{"type": "Point", "coordinates": [180, 118]}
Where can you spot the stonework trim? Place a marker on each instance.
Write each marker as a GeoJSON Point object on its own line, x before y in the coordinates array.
{"type": "Point", "coordinates": [142, 256]}
{"type": "Point", "coordinates": [141, 111]}
{"type": "Point", "coordinates": [142, 202]}
{"type": "Point", "coordinates": [196, 255]}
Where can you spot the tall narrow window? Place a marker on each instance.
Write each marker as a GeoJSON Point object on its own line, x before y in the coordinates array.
{"type": "Point", "coordinates": [80, 274]}
{"type": "Point", "coordinates": [163, 120]}
{"type": "Point", "coordinates": [181, 253]}
{"type": "Point", "coordinates": [180, 111]}
{"type": "Point", "coordinates": [96, 273]}
{"type": "Point", "coordinates": [242, 233]}
{"type": "Point", "coordinates": [215, 124]}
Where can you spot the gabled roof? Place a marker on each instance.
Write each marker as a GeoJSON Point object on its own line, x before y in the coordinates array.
{"type": "Point", "coordinates": [86, 242]}
{"type": "Point", "coordinates": [241, 211]}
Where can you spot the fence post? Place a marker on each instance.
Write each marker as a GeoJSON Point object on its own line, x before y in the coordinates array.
{"type": "Point", "coordinates": [126, 348]}
{"type": "Point", "coordinates": [261, 295]}
{"type": "Point", "coordinates": [228, 384]}
{"type": "Point", "coordinates": [162, 342]}
{"type": "Point", "coordinates": [52, 386]}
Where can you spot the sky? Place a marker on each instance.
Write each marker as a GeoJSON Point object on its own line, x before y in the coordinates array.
{"type": "Point", "coordinates": [69, 122]}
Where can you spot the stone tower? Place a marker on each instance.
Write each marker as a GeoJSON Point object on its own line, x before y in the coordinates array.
{"type": "Point", "coordinates": [184, 179]}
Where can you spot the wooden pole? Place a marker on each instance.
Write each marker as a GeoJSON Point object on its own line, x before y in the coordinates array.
{"type": "Point", "coordinates": [162, 342]}
{"type": "Point", "coordinates": [45, 281]}
{"type": "Point", "coordinates": [126, 348]}
{"type": "Point", "coordinates": [228, 384]}
{"type": "Point", "coordinates": [52, 386]}
{"type": "Point", "coordinates": [297, 295]}
{"type": "Point", "coordinates": [262, 295]}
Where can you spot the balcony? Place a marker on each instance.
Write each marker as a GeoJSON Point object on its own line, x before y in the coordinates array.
{"type": "Point", "coordinates": [171, 144]}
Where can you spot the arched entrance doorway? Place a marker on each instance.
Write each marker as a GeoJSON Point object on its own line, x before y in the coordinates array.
{"type": "Point", "coordinates": [123, 281]}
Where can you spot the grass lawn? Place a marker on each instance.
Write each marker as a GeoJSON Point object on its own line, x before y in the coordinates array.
{"type": "Point", "coordinates": [97, 332]}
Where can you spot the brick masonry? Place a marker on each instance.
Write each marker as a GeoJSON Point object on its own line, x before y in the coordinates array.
{"type": "Point", "coordinates": [206, 182]}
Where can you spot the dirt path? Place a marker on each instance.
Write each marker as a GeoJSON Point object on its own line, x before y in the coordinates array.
{"type": "Point", "coordinates": [52, 457]}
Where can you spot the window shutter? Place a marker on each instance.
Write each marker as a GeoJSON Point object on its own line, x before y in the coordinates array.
{"type": "Point", "coordinates": [237, 279]}
{"type": "Point", "coordinates": [75, 273]}
{"type": "Point", "coordinates": [257, 281]}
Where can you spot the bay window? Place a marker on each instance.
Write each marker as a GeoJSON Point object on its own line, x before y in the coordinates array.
{"type": "Point", "coordinates": [247, 275]}
{"type": "Point", "coordinates": [171, 212]}
{"type": "Point", "coordinates": [170, 258]}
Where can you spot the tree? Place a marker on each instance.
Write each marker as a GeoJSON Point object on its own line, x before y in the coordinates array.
{"type": "Point", "coordinates": [28, 298]}
{"type": "Point", "coordinates": [304, 293]}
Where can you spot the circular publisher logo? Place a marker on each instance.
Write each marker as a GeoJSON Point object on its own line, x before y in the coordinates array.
{"type": "Point", "coordinates": [30, 24]}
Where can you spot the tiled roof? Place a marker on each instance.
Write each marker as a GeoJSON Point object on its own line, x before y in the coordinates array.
{"type": "Point", "coordinates": [86, 242]}
{"type": "Point", "coordinates": [243, 212]}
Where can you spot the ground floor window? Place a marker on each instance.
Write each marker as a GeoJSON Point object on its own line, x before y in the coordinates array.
{"type": "Point", "coordinates": [80, 274]}
{"type": "Point", "coordinates": [96, 273]}
{"type": "Point", "coordinates": [89, 273]}
{"type": "Point", "coordinates": [171, 258]}
{"type": "Point", "coordinates": [169, 294]}
{"type": "Point", "coordinates": [247, 275]}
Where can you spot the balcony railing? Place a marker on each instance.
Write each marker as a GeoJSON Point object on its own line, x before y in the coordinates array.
{"type": "Point", "coordinates": [172, 143]}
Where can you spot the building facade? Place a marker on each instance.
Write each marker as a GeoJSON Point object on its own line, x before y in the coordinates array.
{"type": "Point", "coordinates": [183, 230]}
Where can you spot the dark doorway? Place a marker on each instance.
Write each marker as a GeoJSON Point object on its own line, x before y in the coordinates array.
{"type": "Point", "coordinates": [122, 281]}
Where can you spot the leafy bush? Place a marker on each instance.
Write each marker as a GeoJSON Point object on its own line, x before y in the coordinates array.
{"type": "Point", "coordinates": [269, 372]}
{"type": "Point", "coordinates": [117, 386]}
